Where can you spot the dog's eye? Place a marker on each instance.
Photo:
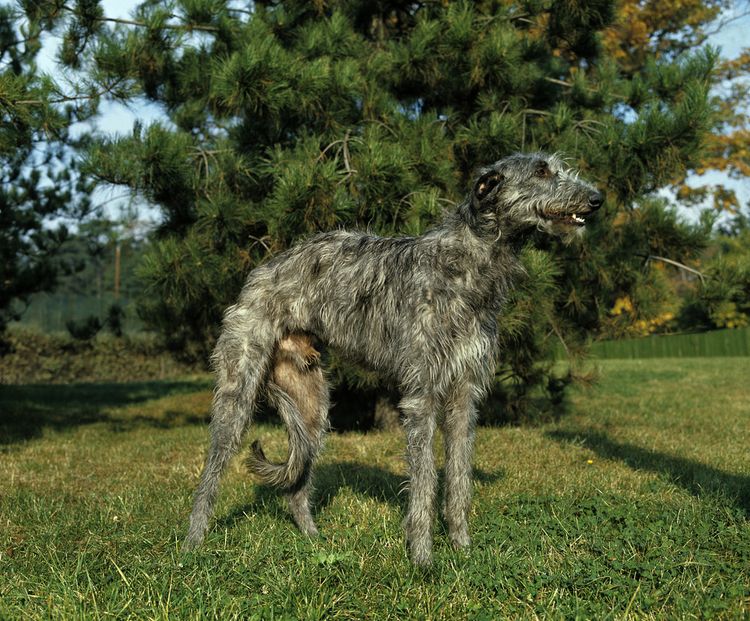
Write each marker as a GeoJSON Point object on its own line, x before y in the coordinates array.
{"type": "Point", "coordinates": [542, 170]}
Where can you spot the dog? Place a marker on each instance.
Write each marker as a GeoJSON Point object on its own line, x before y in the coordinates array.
{"type": "Point", "coordinates": [423, 311]}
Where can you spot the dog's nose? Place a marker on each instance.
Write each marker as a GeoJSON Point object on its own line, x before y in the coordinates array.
{"type": "Point", "coordinates": [596, 200]}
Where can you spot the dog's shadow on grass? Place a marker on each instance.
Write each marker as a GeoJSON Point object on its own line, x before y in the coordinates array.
{"type": "Point", "coordinates": [332, 479]}
{"type": "Point", "coordinates": [693, 476]}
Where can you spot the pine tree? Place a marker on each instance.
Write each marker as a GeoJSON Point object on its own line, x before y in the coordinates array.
{"type": "Point", "coordinates": [39, 183]}
{"type": "Point", "coordinates": [293, 117]}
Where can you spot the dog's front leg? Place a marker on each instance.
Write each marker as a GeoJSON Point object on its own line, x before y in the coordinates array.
{"type": "Point", "coordinates": [458, 432]}
{"type": "Point", "coordinates": [419, 415]}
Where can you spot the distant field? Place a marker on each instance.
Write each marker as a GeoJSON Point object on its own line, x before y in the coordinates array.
{"type": "Point", "coordinates": [634, 504]}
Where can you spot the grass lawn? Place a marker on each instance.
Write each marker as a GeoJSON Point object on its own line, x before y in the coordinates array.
{"type": "Point", "coordinates": [634, 504]}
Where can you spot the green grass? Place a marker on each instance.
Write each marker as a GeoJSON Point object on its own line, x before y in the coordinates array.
{"type": "Point", "coordinates": [634, 504]}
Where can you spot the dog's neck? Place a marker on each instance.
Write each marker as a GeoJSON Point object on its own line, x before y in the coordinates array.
{"type": "Point", "coordinates": [492, 261]}
{"type": "Point", "coordinates": [502, 238]}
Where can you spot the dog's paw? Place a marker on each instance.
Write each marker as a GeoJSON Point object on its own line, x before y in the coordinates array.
{"type": "Point", "coordinates": [421, 553]}
{"type": "Point", "coordinates": [460, 540]}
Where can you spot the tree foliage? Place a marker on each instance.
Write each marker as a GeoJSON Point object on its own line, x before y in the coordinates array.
{"type": "Point", "coordinates": [723, 298]}
{"type": "Point", "coordinates": [649, 30]}
{"type": "Point", "coordinates": [292, 117]}
{"type": "Point", "coordinates": [38, 179]}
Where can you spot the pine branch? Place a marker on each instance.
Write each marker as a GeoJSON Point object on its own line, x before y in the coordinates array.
{"type": "Point", "coordinates": [677, 264]}
{"type": "Point", "coordinates": [556, 330]}
{"type": "Point", "coordinates": [65, 98]}
{"type": "Point", "coordinates": [133, 22]}
{"type": "Point", "coordinates": [184, 27]}
{"type": "Point", "coordinates": [344, 142]}
{"type": "Point", "coordinates": [588, 88]}
{"type": "Point", "coordinates": [723, 23]}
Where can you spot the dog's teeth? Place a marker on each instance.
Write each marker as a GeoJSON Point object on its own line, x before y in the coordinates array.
{"type": "Point", "coordinates": [578, 219]}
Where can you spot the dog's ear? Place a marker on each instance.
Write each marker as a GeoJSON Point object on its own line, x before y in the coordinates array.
{"type": "Point", "coordinates": [486, 183]}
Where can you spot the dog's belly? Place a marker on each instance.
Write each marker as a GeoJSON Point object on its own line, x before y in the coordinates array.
{"type": "Point", "coordinates": [372, 342]}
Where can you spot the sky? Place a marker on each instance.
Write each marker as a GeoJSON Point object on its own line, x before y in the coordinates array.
{"type": "Point", "coordinates": [118, 119]}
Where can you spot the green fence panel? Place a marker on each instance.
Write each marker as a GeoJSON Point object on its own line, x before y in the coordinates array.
{"type": "Point", "coordinates": [49, 312]}
{"type": "Point", "coordinates": [710, 344]}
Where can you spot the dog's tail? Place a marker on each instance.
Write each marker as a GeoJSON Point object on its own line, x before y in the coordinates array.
{"type": "Point", "coordinates": [303, 447]}
{"type": "Point", "coordinates": [299, 392]}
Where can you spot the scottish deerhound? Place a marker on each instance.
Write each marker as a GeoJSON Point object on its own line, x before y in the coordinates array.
{"type": "Point", "coordinates": [423, 311]}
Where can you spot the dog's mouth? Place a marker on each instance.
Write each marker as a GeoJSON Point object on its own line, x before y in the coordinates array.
{"type": "Point", "coordinates": [572, 215]}
{"type": "Point", "coordinates": [570, 219]}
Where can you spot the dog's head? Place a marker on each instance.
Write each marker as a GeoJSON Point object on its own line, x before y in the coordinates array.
{"type": "Point", "coordinates": [532, 190]}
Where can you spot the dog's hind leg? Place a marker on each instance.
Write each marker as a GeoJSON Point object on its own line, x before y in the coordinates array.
{"type": "Point", "coordinates": [241, 360]}
{"type": "Point", "coordinates": [300, 394]}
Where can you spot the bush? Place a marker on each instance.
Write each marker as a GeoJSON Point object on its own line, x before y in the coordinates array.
{"type": "Point", "coordinates": [85, 329]}
{"type": "Point", "coordinates": [32, 357]}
